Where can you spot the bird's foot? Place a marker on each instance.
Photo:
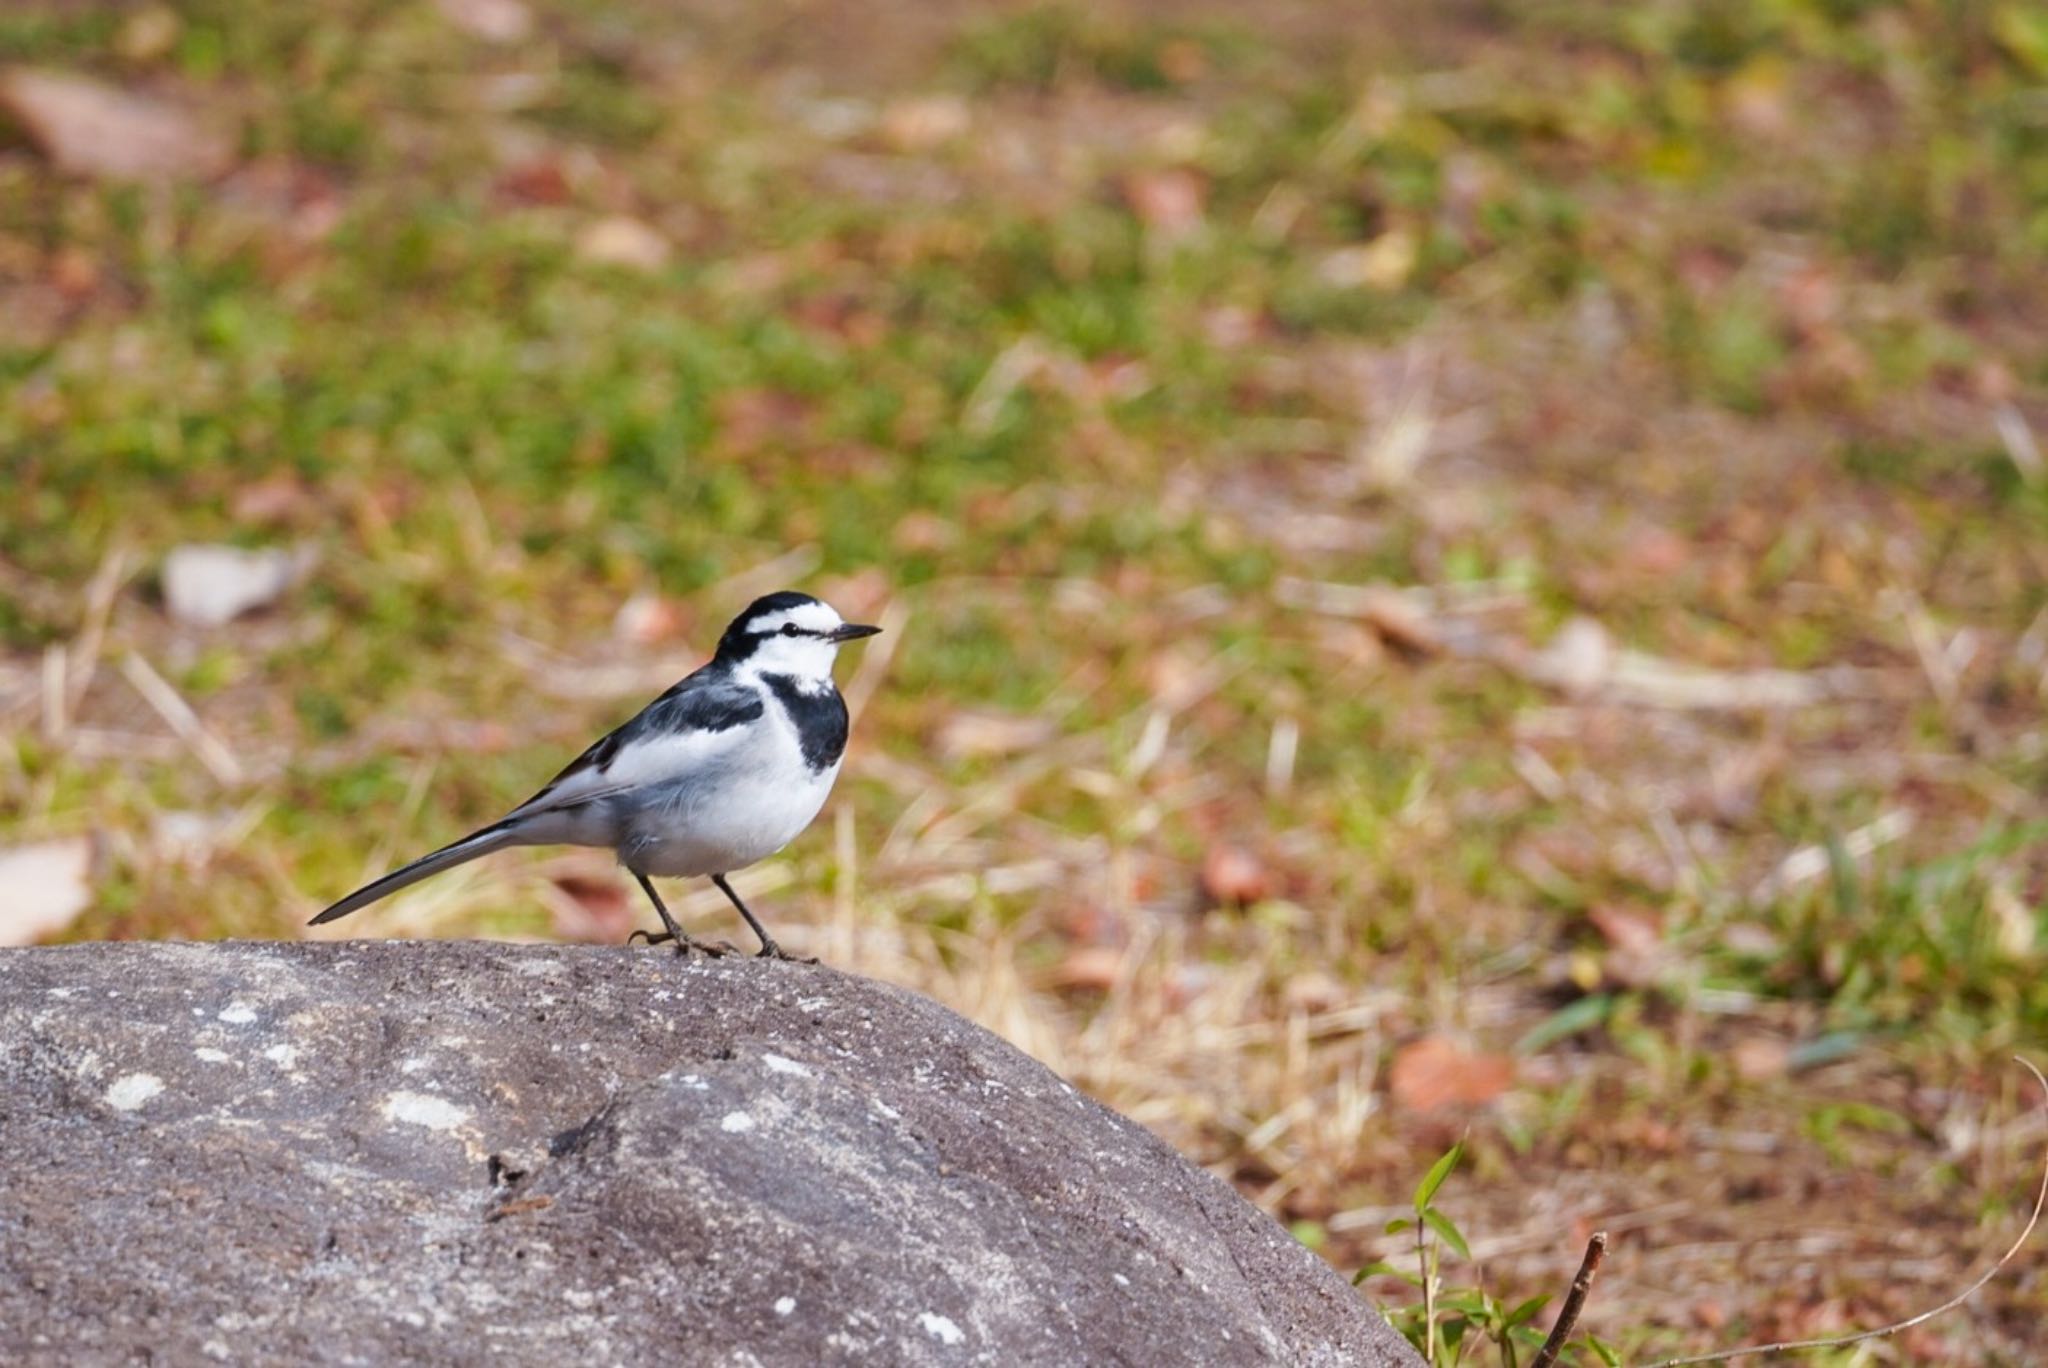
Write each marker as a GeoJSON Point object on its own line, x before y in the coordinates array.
{"type": "Point", "coordinates": [770, 950]}
{"type": "Point", "coordinates": [685, 943]}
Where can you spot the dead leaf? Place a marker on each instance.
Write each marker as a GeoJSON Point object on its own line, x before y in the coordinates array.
{"type": "Point", "coordinates": [1169, 202]}
{"type": "Point", "coordinates": [74, 272]}
{"type": "Point", "coordinates": [647, 618]}
{"type": "Point", "coordinates": [1758, 1059]}
{"type": "Point", "coordinates": [863, 596]}
{"type": "Point", "coordinates": [920, 532]}
{"type": "Point", "coordinates": [90, 129]}
{"type": "Point", "coordinates": [537, 179]}
{"type": "Point", "coordinates": [1233, 876]}
{"type": "Point", "coordinates": [592, 909]}
{"type": "Point", "coordinates": [1628, 930]}
{"type": "Point", "coordinates": [1636, 954]}
{"type": "Point", "coordinates": [206, 586]}
{"type": "Point", "coordinates": [1437, 1072]}
{"type": "Point", "coordinates": [923, 122]}
{"type": "Point", "coordinates": [1091, 967]}
{"type": "Point", "coordinates": [48, 884]}
{"type": "Point", "coordinates": [622, 241]}
{"type": "Point", "coordinates": [272, 499]}
{"type": "Point", "coordinates": [494, 21]}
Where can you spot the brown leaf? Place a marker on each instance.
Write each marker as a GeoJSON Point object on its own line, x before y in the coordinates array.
{"type": "Point", "coordinates": [920, 531]}
{"type": "Point", "coordinates": [89, 129]}
{"type": "Point", "coordinates": [74, 272]}
{"type": "Point", "coordinates": [1169, 202]}
{"type": "Point", "coordinates": [1090, 967]}
{"type": "Point", "coordinates": [1436, 1072]}
{"type": "Point", "coordinates": [923, 122]}
{"type": "Point", "coordinates": [595, 910]}
{"type": "Point", "coordinates": [541, 179]}
{"type": "Point", "coordinates": [494, 21]}
{"type": "Point", "coordinates": [647, 618]}
{"type": "Point", "coordinates": [272, 499]}
{"type": "Point", "coordinates": [1233, 876]}
{"type": "Point", "coordinates": [1629, 930]}
{"type": "Point", "coordinates": [48, 884]}
{"type": "Point", "coordinates": [621, 241]}
{"type": "Point", "coordinates": [1758, 1059]}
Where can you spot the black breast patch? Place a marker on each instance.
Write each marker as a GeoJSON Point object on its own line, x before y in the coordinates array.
{"type": "Point", "coordinates": [820, 720]}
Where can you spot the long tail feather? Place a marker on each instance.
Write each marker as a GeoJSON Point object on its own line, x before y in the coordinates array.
{"type": "Point", "coordinates": [447, 857]}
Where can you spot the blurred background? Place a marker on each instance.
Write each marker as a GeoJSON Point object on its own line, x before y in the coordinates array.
{"type": "Point", "coordinates": [1452, 570]}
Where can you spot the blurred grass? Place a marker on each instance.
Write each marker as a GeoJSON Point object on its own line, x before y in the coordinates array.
{"type": "Point", "coordinates": [1076, 335]}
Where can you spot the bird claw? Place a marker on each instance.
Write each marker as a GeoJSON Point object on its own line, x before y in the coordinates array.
{"type": "Point", "coordinates": [772, 951]}
{"type": "Point", "coordinates": [685, 943]}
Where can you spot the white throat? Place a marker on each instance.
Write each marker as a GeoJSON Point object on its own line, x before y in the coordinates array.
{"type": "Point", "coordinates": [806, 660]}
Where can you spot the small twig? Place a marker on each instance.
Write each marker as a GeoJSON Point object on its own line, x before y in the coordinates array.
{"type": "Point", "coordinates": [1841, 1341]}
{"type": "Point", "coordinates": [177, 714]}
{"type": "Point", "coordinates": [1574, 1302]}
{"type": "Point", "coordinates": [1428, 1272]}
{"type": "Point", "coordinates": [100, 594]}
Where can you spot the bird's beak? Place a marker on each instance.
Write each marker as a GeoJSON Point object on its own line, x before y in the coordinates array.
{"type": "Point", "coordinates": [850, 631]}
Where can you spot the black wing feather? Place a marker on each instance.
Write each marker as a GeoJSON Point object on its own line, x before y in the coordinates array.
{"type": "Point", "coordinates": [707, 700]}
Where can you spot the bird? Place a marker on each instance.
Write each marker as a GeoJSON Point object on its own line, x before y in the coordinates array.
{"type": "Point", "coordinates": [725, 768]}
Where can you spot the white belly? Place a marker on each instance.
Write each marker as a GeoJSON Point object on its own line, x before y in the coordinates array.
{"type": "Point", "coordinates": [748, 814]}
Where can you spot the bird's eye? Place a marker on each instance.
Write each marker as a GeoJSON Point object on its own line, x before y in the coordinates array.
{"type": "Point", "coordinates": [789, 629]}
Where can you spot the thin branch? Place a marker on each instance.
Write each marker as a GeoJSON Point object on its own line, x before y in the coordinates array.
{"type": "Point", "coordinates": [177, 714]}
{"type": "Point", "coordinates": [1841, 1341]}
{"type": "Point", "coordinates": [1574, 1302]}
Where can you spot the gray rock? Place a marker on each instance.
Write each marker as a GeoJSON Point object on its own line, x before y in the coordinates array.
{"type": "Point", "coordinates": [379, 1152]}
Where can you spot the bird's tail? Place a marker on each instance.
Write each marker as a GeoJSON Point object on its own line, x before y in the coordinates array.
{"type": "Point", "coordinates": [425, 867]}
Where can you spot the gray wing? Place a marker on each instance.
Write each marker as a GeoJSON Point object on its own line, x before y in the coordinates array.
{"type": "Point", "coordinates": [696, 719]}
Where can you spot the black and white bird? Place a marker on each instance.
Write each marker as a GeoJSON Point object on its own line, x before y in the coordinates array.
{"type": "Point", "coordinates": [724, 769]}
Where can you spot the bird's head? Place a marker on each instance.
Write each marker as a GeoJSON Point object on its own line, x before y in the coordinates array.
{"type": "Point", "coordinates": [788, 633]}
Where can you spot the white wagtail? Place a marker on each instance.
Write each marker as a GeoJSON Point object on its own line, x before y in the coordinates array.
{"type": "Point", "coordinates": [724, 769]}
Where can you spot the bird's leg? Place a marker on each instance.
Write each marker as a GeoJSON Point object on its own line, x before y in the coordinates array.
{"type": "Point", "coordinates": [769, 949]}
{"type": "Point", "coordinates": [684, 941]}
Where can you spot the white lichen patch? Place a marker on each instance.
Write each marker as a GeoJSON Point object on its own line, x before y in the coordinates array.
{"type": "Point", "coordinates": [940, 1328]}
{"type": "Point", "coordinates": [694, 1083]}
{"type": "Point", "coordinates": [130, 1091]}
{"type": "Point", "coordinates": [211, 1055]}
{"type": "Point", "coordinates": [784, 1305]}
{"type": "Point", "coordinates": [777, 1064]}
{"type": "Point", "coordinates": [884, 1109]}
{"type": "Point", "coordinates": [237, 1014]}
{"type": "Point", "coordinates": [736, 1123]}
{"type": "Point", "coordinates": [418, 1109]}
{"type": "Point", "coordinates": [1120, 1280]}
{"type": "Point", "coordinates": [284, 1056]}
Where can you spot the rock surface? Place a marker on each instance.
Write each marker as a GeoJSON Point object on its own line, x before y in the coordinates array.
{"type": "Point", "coordinates": [381, 1152]}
